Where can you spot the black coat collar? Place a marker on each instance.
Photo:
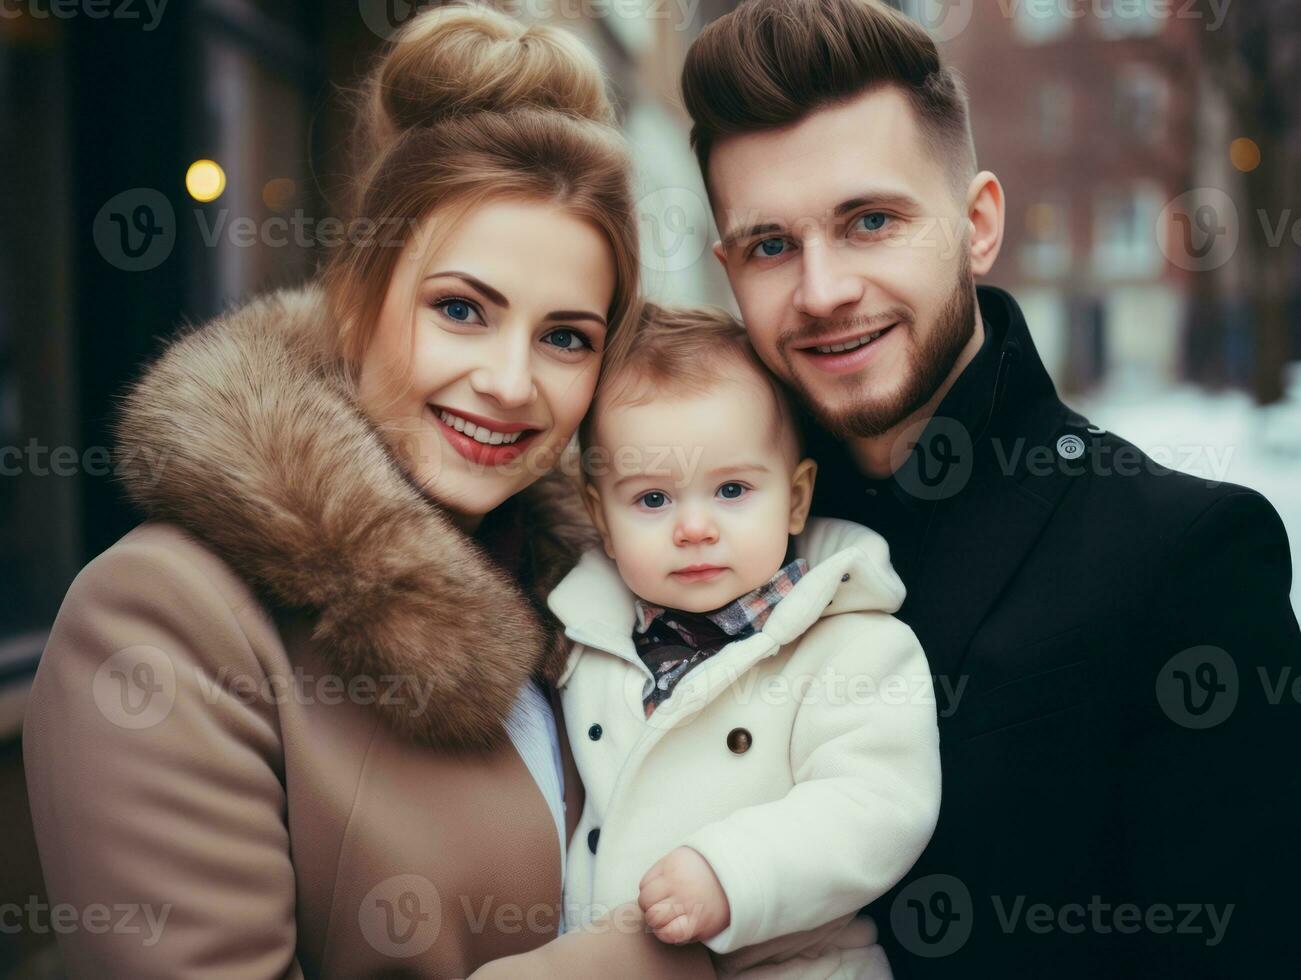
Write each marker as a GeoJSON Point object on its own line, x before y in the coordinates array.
{"type": "Point", "coordinates": [978, 504]}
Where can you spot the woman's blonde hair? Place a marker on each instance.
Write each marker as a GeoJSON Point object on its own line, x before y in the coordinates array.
{"type": "Point", "coordinates": [467, 104]}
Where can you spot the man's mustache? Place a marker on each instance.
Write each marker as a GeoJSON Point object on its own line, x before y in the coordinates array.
{"type": "Point", "coordinates": [823, 328]}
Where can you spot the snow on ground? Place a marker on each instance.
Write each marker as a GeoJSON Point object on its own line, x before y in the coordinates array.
{"type": "Point", "coordinates": [1219, 436]}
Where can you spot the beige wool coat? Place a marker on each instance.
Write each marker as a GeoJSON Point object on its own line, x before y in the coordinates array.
{"type": "Point", "coordinates": [268, 722]}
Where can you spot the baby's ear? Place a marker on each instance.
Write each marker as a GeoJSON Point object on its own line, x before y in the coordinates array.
{"type": "Point", "coordinates": [592, 501]}
{"type": "Point", "coordinates": [802, 480]}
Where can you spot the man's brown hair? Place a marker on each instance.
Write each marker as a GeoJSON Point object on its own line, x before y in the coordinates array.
{"type": "Point", "coordinates": [680, 349]}
{"type": "Point", "coordinates": [770, 63]}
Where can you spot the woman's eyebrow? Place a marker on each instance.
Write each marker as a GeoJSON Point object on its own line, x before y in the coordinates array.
{"type": "Point", "coordinates": [493, 295]}
{"type": "Point", "coordinates": [498, 299]}
{"type": "Point", "coordinates": [575, 315]}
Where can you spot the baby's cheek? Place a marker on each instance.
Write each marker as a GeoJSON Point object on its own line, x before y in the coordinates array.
{"type": "Point", "coordinates": [763, 546]}
{"type": "Point", "coordinates": [638, 555]}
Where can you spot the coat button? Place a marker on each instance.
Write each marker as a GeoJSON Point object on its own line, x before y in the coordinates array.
{"type": "Point", "coordinates": [1070, 447]}
{"type": "Point", "coordinates": [593, 836]}
{"type": "Point", "coordinates": [738, 740]}
{"type": "Point", "coordinates": [594, 733]}
{"type": "Point", "coordinates": [845, 577]}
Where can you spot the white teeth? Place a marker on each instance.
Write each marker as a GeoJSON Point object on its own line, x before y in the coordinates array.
{"type": "Point", "coordinates": [478, 432]}
{"type": "Point", "coordinates": [852, 345]}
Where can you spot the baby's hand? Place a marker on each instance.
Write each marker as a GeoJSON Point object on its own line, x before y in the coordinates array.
{"type": "Point", "coordinates": [682, 898]}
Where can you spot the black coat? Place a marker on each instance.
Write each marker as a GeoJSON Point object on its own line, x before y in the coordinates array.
{"type": "Point", "coordinates": [1114, 652]}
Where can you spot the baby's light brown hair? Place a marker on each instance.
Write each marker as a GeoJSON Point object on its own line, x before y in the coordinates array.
{"type": "Point", "coordinates": [679, 349]}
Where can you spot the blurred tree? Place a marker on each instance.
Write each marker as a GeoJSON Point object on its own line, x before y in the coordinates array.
{"type": "Point", "coordinates": [1255, 57]}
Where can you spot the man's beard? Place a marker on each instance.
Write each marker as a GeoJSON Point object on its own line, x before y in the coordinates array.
{"type": "Point", "coordinates": [928, 367]}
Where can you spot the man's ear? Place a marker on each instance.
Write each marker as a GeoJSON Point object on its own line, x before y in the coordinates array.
{"type": "Point", "coordinates": [720, 253]}
{"type": "Point", "coordinates": [592, 501]}
{"type": "Point", "coordinates": [986, 209]}
{"type": "Point", "coordinates": [802, 480]}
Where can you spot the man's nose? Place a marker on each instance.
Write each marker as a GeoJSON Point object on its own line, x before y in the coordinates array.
{"type": "Point", "coordinates": [827, 283]}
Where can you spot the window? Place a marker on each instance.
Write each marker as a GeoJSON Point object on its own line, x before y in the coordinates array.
{"type": "Point", "coordinates": [1140, 103]}
{"type": "Point", "coordinates": [1125, 242]}
{"type": "Point", "coordinates": [1120, 19]}
{"type": "Point", "coordinates": [1040, 21]}
{"type": "Point", "coordinates": [1046, 253]}
{"type": "Point", "coordinates": [1052, 114]}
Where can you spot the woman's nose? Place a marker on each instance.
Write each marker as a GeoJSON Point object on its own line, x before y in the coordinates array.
{"type": "Point", "coordinates": [695, 527]}
{"type": "Point", "coordinates": [506, 374]}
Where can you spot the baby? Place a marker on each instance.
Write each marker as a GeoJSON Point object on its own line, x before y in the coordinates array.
{"type": "Point", "coordinates": [755, 731]}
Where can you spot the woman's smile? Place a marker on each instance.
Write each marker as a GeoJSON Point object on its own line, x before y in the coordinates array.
{"type": "Point", "coordinates": [488, 442]}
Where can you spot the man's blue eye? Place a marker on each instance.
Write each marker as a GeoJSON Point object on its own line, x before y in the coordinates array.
{"type": "Point", "coordinates": [771, 247]}
{"type": "Point", "coordinates": [654, 500]}
{"type": "Point", "coordinates": [874, 221]}
{"type": "Point", "coordinates": [731, 491]}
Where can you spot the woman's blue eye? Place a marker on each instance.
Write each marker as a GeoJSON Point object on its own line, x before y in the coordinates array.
{"type": "Point", "coordinates": [456, 309]}
{"type": "Point", "coordinates": [567, 339]}
{"type": "Point", "coordinates": [770, 247]}
{"type": "Point", "coordinates": [654, 500]}
{"type": "Point", "coordinates": [874, 221]}
{"type": "Point", "coordinates": [731, 491]}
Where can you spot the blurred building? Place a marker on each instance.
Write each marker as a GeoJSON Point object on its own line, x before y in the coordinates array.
{"type": "Point", "coordinates": [1090, 124]}
{"type": "Point", "coordinates": [1148, 151]}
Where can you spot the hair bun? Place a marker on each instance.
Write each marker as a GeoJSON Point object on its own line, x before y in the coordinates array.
{"type": "Point", "coordinates": [461, 59]}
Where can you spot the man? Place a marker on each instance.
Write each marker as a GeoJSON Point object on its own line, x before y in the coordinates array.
{"type": "Point", "coordinates": [1112, 643]}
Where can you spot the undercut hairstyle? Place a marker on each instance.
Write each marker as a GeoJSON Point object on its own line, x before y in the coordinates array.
{"type": "Point", "coordinates": [683, 350]}
{"type": "Point", "coordinates": [770, 63]}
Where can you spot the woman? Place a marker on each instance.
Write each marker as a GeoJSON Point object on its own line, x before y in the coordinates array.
{"type": "Point", "coordinates": [293, 723]}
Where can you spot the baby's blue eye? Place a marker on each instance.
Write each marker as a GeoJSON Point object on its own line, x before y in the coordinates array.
{"type": "Point", "coordinates": [874, 221]}
{"type": "Point", "coordinates": [731, 491]}
{"type": "Point", "coordinates": [770, 247]}
{"type": "Point", "coordinates": [653, 500]}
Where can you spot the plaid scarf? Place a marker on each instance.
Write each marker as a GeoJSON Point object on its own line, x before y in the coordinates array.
{"type": "Point", "coordinates": [671, 642]}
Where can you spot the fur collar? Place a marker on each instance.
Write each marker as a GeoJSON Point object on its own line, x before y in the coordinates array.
{"type": "Point", "coordinates": [243, 433]}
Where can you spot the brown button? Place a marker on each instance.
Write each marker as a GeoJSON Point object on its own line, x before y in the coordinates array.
{"type": "Point", "coordinates": [738, 740]}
